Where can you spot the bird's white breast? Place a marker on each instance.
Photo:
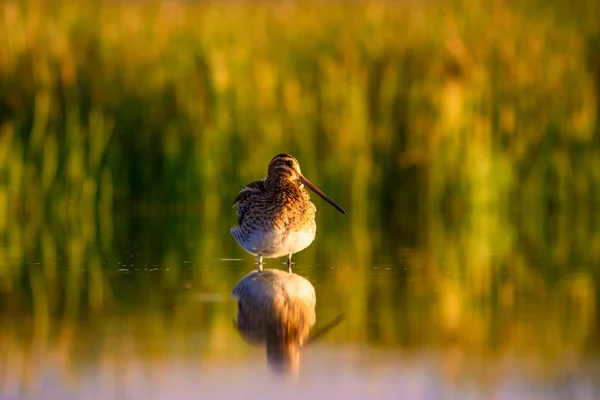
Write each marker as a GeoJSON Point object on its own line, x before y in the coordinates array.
{"type": "Point", "coordinates": [278, 242]}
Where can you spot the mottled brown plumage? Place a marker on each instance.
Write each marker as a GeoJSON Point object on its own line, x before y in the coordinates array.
{"type": "Point", "coordinates": [275, 215]}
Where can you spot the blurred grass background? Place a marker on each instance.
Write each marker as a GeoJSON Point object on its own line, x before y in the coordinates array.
{"type": "Point", "coordinates": [466, 130]}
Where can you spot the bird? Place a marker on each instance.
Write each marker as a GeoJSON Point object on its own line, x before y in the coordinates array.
{"type": "Point", "coordinates": [275, 215]}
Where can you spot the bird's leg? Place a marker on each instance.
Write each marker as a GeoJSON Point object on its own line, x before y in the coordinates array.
{"type": "Point", "coordinates": [260, 262]}
{"type": "Point", "coordinates": [289, 263]}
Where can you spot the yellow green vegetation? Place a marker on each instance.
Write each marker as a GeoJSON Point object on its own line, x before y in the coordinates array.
{"type": "Point", "coordinates": [163, 100]}
{"type": "Point", "coordinates": [467, 130]}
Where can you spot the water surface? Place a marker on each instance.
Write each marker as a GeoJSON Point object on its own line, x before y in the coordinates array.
{"type": "Point", "coordinates": [478, 310]}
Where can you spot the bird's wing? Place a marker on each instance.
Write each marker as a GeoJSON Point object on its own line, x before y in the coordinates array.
{"type": "Point", "coordinates": [244, 198]}
{"type": "Point", "coordinates": [252, 189]}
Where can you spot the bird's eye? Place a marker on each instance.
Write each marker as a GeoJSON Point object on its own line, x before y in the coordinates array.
{"type": "Point", "coordinates": [289, 163]}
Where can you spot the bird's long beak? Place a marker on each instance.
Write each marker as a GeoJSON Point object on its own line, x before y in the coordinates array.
{"type": "Point", "coordinates": [317, 191]}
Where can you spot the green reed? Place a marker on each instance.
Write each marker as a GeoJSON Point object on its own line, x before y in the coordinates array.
{"type": "Point", "coordinates": [486, 102]}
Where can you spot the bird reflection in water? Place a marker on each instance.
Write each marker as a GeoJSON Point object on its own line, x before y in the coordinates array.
{"type": "Point", "coordinates": [276, 309]}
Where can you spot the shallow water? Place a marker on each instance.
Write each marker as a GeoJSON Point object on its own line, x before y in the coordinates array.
{"type": "Point", "coordinates": [483, 311]}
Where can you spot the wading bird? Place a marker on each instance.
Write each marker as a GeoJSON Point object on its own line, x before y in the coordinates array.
{"type": "Point", "coordinates": [276, 216]}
